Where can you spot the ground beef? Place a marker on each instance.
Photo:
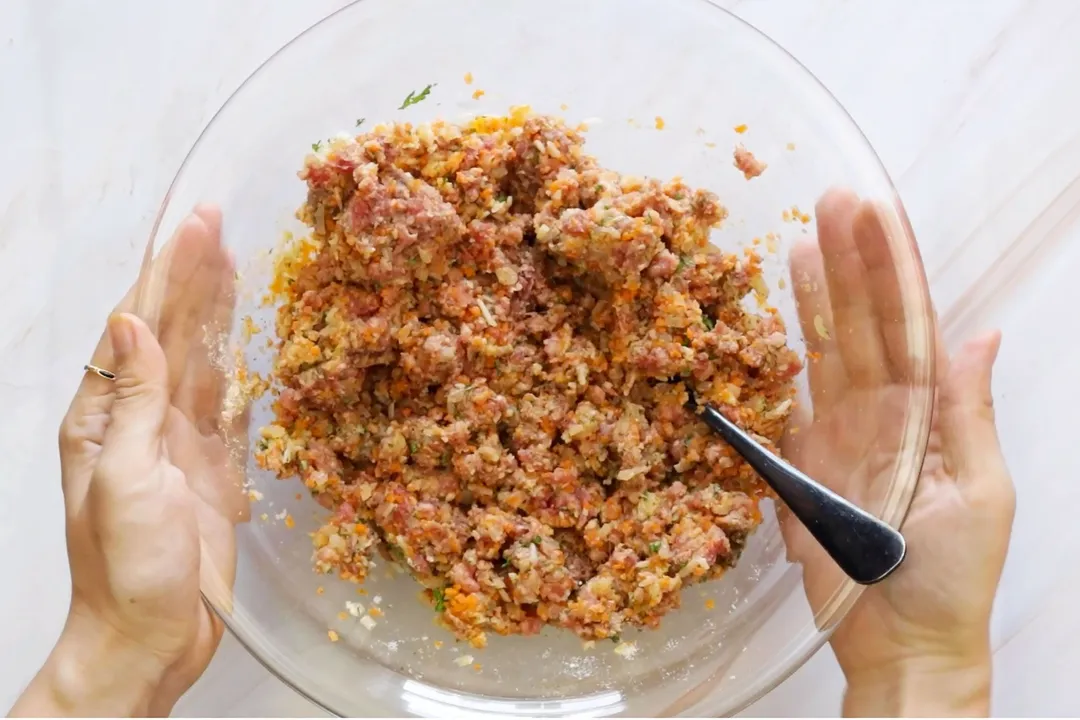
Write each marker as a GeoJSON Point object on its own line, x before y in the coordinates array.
{"type": "Point", "coordinates": [749, 165]}
{"type": "Point", "coordinates": [484, 351]}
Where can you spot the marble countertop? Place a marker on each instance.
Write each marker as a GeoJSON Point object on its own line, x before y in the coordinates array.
{"type": "Point", "coordinates": [974, 109]}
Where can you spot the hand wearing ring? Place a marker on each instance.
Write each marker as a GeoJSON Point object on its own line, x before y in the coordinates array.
{"type": "Point", "coordinates": [151, 501]}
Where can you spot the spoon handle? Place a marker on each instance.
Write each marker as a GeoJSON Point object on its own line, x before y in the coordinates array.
{"type": "Point", "coordinates": [864, 547]}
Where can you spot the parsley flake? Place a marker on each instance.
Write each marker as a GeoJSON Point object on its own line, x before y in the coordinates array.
{"type": "Point", "coordinates": [536, 540]}
{"type": "Point", "coordinates": [316, 145]}
{"type": "Point", "coordinates": [654, 547]}
{"type": "Point", "coordinates": [440, 599]}
{"type": "Point", "coordinates": [415, 97]}
{"type": "Point", "coordinates": [708, 322]}
{"type": "Point", "coordinates": [360, 122]}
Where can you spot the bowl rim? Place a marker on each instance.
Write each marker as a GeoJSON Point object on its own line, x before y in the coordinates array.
{"type": "Point", "coordinates": [848, 592]}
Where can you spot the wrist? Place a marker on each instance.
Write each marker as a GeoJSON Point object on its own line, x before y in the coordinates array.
{"type": "Point", "coordinates": [930, 685]}
{"type": "Point", "coordinates": [95, 670]}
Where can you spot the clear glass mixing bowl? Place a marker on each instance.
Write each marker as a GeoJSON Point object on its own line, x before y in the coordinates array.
{"type": "Point", "coordinates": [665, 87]}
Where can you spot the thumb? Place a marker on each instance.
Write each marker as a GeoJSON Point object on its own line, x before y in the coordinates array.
{"type": "Point", "coordinates": [966, 406]}
{"type": "Point", "coordinates": [142, 397]}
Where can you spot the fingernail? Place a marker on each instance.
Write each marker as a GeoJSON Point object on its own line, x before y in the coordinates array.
{"type": "Point", "coordinates": [122, 336]}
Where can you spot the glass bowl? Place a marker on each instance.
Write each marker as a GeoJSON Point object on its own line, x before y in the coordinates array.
{"type": "Point", "coordinates": [666, 88]}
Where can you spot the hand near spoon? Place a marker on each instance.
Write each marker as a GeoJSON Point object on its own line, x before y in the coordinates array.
{"type": "Point", "coordinates": [919, 642]}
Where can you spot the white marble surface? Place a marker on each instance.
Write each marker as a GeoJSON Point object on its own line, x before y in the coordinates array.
{"type": "Point", "coordinates": [974, 108]}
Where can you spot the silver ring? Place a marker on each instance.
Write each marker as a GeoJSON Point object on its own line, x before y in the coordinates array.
{"type": "Point", "coordinates": [100, 372]}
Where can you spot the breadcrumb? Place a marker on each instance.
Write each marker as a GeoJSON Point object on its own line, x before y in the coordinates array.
{"type": "Point", "coordinates": [819, 327]}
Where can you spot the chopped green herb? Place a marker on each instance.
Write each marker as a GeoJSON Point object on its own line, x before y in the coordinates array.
{"type": "Point", "coordinates": [654, 547]}
{"type": "Point", "coordinates": [440, 599]}
{"type": "Point", "coordinates": [506, 562]}
{"type": "Point", "coordinates": [444, 460]}
{"type": "Point", "coordinates": [708, 322]}
{"type": "Point", "coordinates": [262, 444]}
{"type": "Point", "coordinates": [679, 196]}
{"type": "Point", "coordinates": [616, 639]}
{"type": "Point", "coordinates": [599, 188]}
{"type": "Point", "coordinates": [501, 197]}
{"type": "Point", "coordinates": [414, 447]}
{"type": "Point", "coordinates": [684, 262]}
{"type": "Point", "coordinates": [316, 145]}
{"type": "Point", "coordinates": [536, 540]}
{"type": "Point", "coordinates": [414, 97]}
{"type": "Point", "coordinates": [360, 122]}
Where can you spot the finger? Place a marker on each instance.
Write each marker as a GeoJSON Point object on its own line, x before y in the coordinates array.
{"type": "Point", "coordinates": [133, 439]}
{"type": "Point", "coordinates": [883, 282]}
{"type": "Point", "coordinates": [825, 369]}
{"type": "Point", "coordinates": [856, 330]}
{"type": "Point", "coordinates": [966, 406]}
{"type": "Point", "coordinates": [84, 424]}
{"type": "Point", "coordinates": [199, 387]}
{"type": "Point", "coordinates": [192, 271]}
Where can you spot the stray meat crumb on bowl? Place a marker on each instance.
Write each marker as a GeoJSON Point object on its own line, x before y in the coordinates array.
{"type": "Point", "coordinates": [484, 346]}
{"type": "Point", "coordinates": [747, 163]}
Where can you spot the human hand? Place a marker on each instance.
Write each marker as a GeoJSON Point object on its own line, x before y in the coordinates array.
{"type": "Point", "coordinates": [918, 643]}
{"type": "Point", "coordinates": [150, 494]}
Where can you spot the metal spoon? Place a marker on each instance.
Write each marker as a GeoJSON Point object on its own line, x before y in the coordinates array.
{"type": "Point", "coordinates": [864, 547]}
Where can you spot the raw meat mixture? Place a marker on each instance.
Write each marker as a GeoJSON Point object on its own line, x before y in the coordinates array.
{"type": "Point", "coordinates": [484, 347]}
